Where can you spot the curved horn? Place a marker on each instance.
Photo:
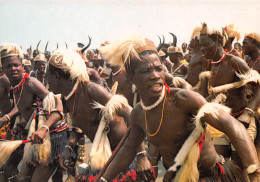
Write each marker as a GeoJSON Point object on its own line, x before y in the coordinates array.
{"type": "Point", "coordinates": [45, 50]}
{"type": "Point", "coordinates": [174, 39]}
{"type": "Point", "coordinates": [160, 44]}
{"type": "Point", "coordinates": [66, 45]}
{"type": "Point", "coordinates": [57, 46]}
{"type": "Point", "coordinates": [30, 52]}
{"type": "Point", "coordinates": [37, 47]}
{"type": "Point", "coordinates": [87, 46]}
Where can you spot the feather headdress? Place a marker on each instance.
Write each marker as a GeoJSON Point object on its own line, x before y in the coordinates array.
{"type": "Point", "coordinates": [120, 52]}
{"type": "Point", "coordinates": [232, 31]}
{"type": "Point", "coordinates": [205, 30]}
{"type": "Point", "coordinates": [196, 33]}
{"type": "Point", "coordinates": [254, 36]}
{"type": "Point", "coordinates": [10, 49]}
{"type": "Point", "coordinates": [70, 61]}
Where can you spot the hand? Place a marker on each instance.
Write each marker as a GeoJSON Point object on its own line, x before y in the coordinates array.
{"type": "Point", "coordinates": [3, 121]}
{"type": "Point", "coordinates": [65, 160]}
{"type": "Point", "coordinates": [38, 136]}
{"type": "Point", "coordinates": [246, 117]}
{"type": "Point", "coordinates": [143, 169]}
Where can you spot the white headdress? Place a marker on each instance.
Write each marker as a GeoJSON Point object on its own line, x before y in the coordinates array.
{"type": "Point", "coordinates": [70, 61]}
{"type": "Point", "coordinates": [119, 52]}
{"type": "Point", "coordinates": [205, 30]}
{"type": "Point", "coordinates": [10, 49]}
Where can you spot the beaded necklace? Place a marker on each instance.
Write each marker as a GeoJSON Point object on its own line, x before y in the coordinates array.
{"type": "Point", "coordinates": [147, 108]}
{"type": "Point", "coordinates": [254, 63]}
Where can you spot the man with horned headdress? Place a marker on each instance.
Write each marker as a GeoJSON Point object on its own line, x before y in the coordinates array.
{"type": "Point", "coordinates": [40, 68]}
{"type": "Point", "coordinates": [198, 62]}
{"type": "Point", "coordinates": [26, 90]}
{"type": "Point", "coordinates": [232, 34]}
{"type": "Point", "coordinates": [165, 114]}
{"type": "Point", "coordinates": [68, 75]}
{"type": "Point", "coordinates": [251, 47]}
{"type": "Point", "coordinates": [229, 75]}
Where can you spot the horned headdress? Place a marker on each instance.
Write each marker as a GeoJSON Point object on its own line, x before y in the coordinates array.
{"type": "Point", "coordinates": [215, 33]}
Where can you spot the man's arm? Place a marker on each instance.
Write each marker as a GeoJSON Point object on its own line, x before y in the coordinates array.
{"type": "Point", "coordinates": [224, 122]}
{"type": "Point", "coordinates": [126, 154]}
{"type": "Point", "coordinates": [39, 89]}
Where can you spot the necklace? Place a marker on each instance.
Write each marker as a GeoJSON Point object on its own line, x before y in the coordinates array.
{"type": "Point", "coordinates": [114, 74]}
{"type": "Point", "coordinates": [20, 84]}
{"type": "Point", "coordinates": [160, 121]}
{"type": "Point", "coordinates": [72, 91]}
{"type": "Point", "coordinates": [148, 108]}
{"type": "Point", "coordinates": [254, 62]}
{"type": "Point", "coordinates": [221, 59]}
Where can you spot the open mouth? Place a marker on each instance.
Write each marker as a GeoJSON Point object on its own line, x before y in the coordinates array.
{"type": "Point", "coordinates": [157, 87]}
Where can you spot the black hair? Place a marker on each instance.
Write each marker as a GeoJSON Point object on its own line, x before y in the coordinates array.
{"type": "Point", "coordinates": [63, 74]}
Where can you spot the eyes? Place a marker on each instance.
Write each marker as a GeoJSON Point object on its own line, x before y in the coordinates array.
{"type": "Point", "coordinates": [150, 69]}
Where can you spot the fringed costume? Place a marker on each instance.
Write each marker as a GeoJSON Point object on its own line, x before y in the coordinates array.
{"type": "Point", "coordinates": [186, 167]}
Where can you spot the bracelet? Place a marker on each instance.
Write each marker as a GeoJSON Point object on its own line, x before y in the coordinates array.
{"type": "Point", "coordinates": [67, 146]}
{"type": "Point", "coordinates": [59, 112]}
{"type": "Point", "coordinates": [252, 168]}
{"type": "Point", "coordinates": [103, 179]}
{"type": "Point", "coordinates": [44, 126]}
{"type": "Point", "coordinates": [250, 110]}
{"type": "Point", "coordinates": [8, 118]}
{"type": "Point", "coordinates": [141, 153]}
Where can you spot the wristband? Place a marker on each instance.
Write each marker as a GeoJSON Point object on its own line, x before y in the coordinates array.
{"type": "Point", "coordinates": [8, 118]}
{"type": "Point", "coordinates": [44, 126]}
{"type": "Point", "coordinates": [250, 110]}
{"type": "Point", "coordinates": [141, 153]}
{"type": "Point", "coordinates": [103, 179]}
{"type": "Point", "coordinates": [67, 146]}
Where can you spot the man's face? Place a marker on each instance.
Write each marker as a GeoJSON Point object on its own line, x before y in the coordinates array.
{"type": "Point", "coordinates": [248, 45]}
{"type": "Point", "coordinates": [193, 44]}
{"type": "Point", "coordinates": [27, 68]}
{"type": "Point", "coordinates": [149, 75]}
{"type": "Point", "coordinates": [174, 56]}
{"type": "Point", "coordinates": [40, 66]}
{"type": "Point", "coordinates": [208, 46]}
{"type": "Point", "coordinates": [236, 46]}
{"type": "Point", "coordinates": [13, 69]}
{"type": "Point", "coordinates": [184, 46]}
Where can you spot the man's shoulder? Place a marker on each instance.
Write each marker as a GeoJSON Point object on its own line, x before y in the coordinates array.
{"type": "Point", "coordinates": [187, 99]}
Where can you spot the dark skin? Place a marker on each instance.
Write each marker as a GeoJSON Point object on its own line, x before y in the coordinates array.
{"type": "Point", "coordinates": [149, 79]}
{"type": "Point", "coordinates": [40, 67]}
{"type": "Point", "coordinates": [85, 117]}
{"type": "Point", "coordinates": [124, 86]}
{"type": "Point", "coordinates": [175, 58]}
{"type": "Point", "coordinates": [250, 48]}
{"type": "Point", "coordinates": [228, 47]}
{"type": "Point", "coordinates": [198, 63]}
{"type": "Point", "coordinates": [5, 106]}
{"type": "Point", "coordinates": [224, 73]}
{"type": "Point", "coordinates": [13, 69]}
